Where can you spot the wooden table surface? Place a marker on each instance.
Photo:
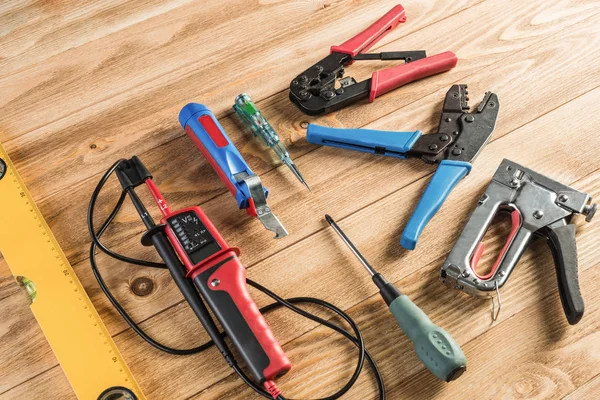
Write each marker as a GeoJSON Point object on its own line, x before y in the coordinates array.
{"type": "Point", "coordinates": [85, 83]}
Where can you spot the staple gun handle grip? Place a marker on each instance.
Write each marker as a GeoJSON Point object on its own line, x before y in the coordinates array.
{"type": "Point", "coordinates": [564, 251]}
{"type": "Point", "coordinates": [448, 174]}
{"type": "Point", "coordinates": [367, 38]}
{"type": "Point", "coordinates": [436, 349]}
{"type": "Point", "coordinates": [395, 144]}
{"type": "Point", "coordinates": [388, 79]}
{"type": "Point", "coordinates": [223, 287]}
{"type": "Point", "coordinates": [208, 135]}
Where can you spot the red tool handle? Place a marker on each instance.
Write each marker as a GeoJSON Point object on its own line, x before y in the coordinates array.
{"type": "Point", "coordinates": [367, 38]}
{"type": "Point", "coordinates": [220, 278]}
{"type": "Point", "coordinates": [222, 284]}
{"type": "Point", "coordinates": [388, 79]}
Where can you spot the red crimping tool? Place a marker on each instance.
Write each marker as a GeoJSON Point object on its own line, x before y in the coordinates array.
{"type": "Point", "coordinates": [314, 91]}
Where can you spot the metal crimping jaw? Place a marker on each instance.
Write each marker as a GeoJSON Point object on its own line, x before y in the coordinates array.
{"type": "Point", "coordinates": [323, 88]}
{"type": "Point", "coordinates": [460, 138]}
{"type": "Point", "coordinates": [537, 206]}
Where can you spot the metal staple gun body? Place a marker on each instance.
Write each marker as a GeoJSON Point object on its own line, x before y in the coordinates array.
{"type": "Point", "coordinates": [538, 206]}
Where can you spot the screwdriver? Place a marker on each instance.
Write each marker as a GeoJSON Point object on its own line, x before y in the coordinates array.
{"type": "Point", "coordinates": [436, 349]}
{"type": "Point", "coordinates": [259, 126]}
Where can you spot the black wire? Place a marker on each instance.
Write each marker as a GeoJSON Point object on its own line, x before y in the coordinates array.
{"type": "Point", "coordinates": [96, 237]}
{"type": "Point", "coordinates": [357, 340]}
{"type": "Point", "coordinates": [96, 243]}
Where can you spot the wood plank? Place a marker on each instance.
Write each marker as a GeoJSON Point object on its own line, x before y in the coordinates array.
{"type": "Point", "coordinates": [370, 175]}
{"type": "Point", "coordinates": [33, 31]}
{"type": "Point", "coordinates": [587, 391]}
{"type": "Point", "coordinates": [343, 289]}
{"type": "Point", "coordinates": [23, 345]}
{"type": "Point", "coordinates": [115, 75]}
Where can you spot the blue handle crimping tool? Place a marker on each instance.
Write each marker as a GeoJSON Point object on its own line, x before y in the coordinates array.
{"type": "Point", "coordinates": [202, 127]}
{"type": "Point", "coordinates": [461, 136]}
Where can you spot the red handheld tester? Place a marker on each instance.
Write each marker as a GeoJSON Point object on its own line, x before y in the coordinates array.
{"type": "Point", "coordinates": [220, 278]}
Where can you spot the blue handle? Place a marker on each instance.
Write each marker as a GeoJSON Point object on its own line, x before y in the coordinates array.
{"type": "Point", "coordinates": [394, 144]}
{"type": "Point", "coordinates": [448, 174]}
{"type": "Point", "coordinates": [202, 127]}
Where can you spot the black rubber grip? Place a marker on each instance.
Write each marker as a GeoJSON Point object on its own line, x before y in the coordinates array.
{"type": "Point", "coordinates": [232, 320]}
{"type": "Point", "coordinates": [564, 250]}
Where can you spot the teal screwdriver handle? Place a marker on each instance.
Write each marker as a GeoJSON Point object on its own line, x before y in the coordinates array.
{"type": "Point", "coordinates": [436, 349]}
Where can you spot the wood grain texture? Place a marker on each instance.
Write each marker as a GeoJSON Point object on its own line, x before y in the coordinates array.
{"type": "Point", "coordinates": [115, 74]}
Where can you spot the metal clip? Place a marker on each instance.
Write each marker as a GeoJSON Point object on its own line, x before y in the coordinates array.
{"type": "Point", "coordinates": [495, 314]}
{"type": "Point", "coordinates": [263, 212]}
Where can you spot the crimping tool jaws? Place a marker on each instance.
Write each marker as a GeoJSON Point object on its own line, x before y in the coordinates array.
{"type": "Point", "coordinates": [538, 206]}
{"type": "Point", "coordinates": [461, 136]}
{"type": "Point", "coordinates": [314, 91]}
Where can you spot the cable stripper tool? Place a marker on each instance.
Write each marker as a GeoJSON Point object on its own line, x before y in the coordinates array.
{"type": "Point", "coordinates": [187, 236]}
{"type": "Point", "coordinates": [202, 127]}
{"type": "Point", "coordinates": [323, 88]}
{"type": "Point", "coordinates": [538, 206]}
{"type": "Point", "coordinates": [460, 138]}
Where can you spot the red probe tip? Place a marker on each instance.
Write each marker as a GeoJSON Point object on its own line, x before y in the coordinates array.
{"type": "Point", "coordinates": [272, 389]}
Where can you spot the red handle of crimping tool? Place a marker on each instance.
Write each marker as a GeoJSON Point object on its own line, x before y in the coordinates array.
{"type": "Point", "coordinates": [367, 38]}
{"type": "Point", "coordinates": [388, 79]}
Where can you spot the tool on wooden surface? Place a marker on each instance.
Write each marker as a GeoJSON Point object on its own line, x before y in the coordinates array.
{"type": "Point", "coordinates": [323, 88]}
{"type": "Point", "coordinates": [207, 270]}
{"type": "Point", "coordinates": [537, 206]}
{"type": "Point", "coordinates": [460, 138]}
{"type": "Point", "coordinates": [71, 324]}
{"type": "Point", "coordinates": [202, 127]}
{"type": "Point", "coordinates": [214, 269]}
{"type": "Point", "coordinates": [436, 349]}
{"type": "Point", "coordinates": [259, 126]}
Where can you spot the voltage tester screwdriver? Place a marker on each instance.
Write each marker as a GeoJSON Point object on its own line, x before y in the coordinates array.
{"type": "Point", "coordinates": [436, 349]}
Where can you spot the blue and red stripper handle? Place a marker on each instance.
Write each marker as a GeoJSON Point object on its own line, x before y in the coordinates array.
{"type": "Point", "coordinates": [202, 127]}
{"type": "Point", "coordinates": [220, 278]}
{"type": "Point", "coordinates": [385, 80]}
{"type": "Point", "coordinates": [397, 144]}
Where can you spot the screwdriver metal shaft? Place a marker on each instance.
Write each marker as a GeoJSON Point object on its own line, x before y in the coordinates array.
{"type": "Point", "coordinates": [357, 253]}
{"type": "Point", "coordinates": [436, 349]}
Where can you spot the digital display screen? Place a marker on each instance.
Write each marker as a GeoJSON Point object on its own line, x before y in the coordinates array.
{"type": "Point", "coordinates": [193, 236]}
